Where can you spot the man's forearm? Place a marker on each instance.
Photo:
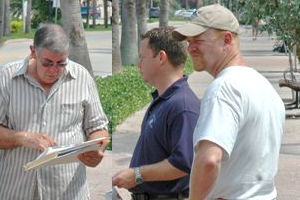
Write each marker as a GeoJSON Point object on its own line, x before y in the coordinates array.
{"type": "Point", "coordinates": [161, 171]}
{"type": "Point", "coordinates": [100, 133]}
{"type": "Point", "coordinates": [9, 138]}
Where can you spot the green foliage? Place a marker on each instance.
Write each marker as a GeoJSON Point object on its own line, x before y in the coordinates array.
{"type": "Point", "coordinates": [282, 17]}
{"type": "Point", "coordinates": [40, 13]}
{"type": "Point", "coordinates": [16, 26]}
{"type": "Point", "coordinates": [125, 93]}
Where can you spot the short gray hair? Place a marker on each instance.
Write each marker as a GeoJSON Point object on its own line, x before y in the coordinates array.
{"type": "Point", "coordinates": [51, 37]}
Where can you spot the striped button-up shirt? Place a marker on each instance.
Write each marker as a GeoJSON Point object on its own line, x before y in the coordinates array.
{"type": "Point", "coordinates": [68, 113]}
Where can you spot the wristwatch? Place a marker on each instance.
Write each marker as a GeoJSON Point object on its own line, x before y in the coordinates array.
{"type": "Point", "coordinates": [138, 176]}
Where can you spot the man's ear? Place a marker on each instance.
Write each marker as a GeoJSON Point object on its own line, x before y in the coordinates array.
{"type": "Point", "coordinates": [32, 51]}
{"type": "Point", "coordinates": [228, 37]}
{"type": "Point", "coordinates": [163, 57]}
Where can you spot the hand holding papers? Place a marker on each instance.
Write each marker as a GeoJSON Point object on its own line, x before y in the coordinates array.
{"type": "Point", "coordinates": [64, 154]}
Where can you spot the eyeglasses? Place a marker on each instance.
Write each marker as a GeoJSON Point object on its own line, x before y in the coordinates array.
{"type": "Point", "coordinates": [49, 63]}
{"type": "Point", "coordinates": [52, 64]}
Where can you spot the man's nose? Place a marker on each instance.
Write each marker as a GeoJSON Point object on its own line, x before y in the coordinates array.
{"type": "Point", "coordinates": [191, 47]}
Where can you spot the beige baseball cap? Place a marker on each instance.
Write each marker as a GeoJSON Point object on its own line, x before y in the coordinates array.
{"type": "Point", "coordinates": [212, 16]}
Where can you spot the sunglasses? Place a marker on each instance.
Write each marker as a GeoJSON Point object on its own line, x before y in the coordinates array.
{"type": "Point", "coordinates": [52, 64]}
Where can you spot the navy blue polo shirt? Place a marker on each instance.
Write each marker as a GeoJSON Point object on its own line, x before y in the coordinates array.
{"type": "Point", "coordinates": [167, 133]}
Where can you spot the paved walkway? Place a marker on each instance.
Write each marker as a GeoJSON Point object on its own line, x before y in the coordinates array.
{"type": "Point", "coordinates": [259, 55]}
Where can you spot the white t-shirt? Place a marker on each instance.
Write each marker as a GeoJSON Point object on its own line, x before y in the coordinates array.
{"type": "Point", "coordinates": [242, 113]}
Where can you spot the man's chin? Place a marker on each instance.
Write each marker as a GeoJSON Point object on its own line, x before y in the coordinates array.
{"type": "Point", "coordinates": [198, 68]}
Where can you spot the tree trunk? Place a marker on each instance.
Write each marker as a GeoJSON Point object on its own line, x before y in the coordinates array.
{"type": "Point", "coordinates": [72, 24]}
{"type": "Point", "coordinates": [1, 18]}
{"type": "Point", "coordinates": [128, 39]}
{"type": "Point", "coordinates": [28, 17]}
{"type": "Point", "coordinates": [6, 18]}
{"type": "Point", "coordinates": [141, 9]}
{"type": "Point", "coordinates": [187, 5]}
{"type": "Point", "coordinates": [116, 53]}
{"type": "Point", "coordinates": [94, 12]}
{"type": "Point", "coordinates": [105, 13]}
{"type": "Point", "coordinates": [164, 13]}
{"type": "Point", "coordinates": [87, 14]}
{"type": "Point", "coordinates": [199, 3]}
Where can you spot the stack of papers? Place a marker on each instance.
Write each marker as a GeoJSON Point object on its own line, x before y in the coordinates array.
{"type": "Point", "coordinates": [64, 154]}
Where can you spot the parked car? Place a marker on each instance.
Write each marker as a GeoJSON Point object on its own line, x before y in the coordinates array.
{"type": "Point", "coordinates": [178, 13]}
{"type": "Point", "coordinates": [188, 13]}
{"type": "Point", "coordinates": [154, 12]}
{"type": "Point", "coordinates": [97, 11]}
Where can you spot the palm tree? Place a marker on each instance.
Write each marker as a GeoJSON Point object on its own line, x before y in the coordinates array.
{"type": "Point", "coordinates": [199, 3]}
{"type": "Point", "coordinates": [94, 12]}
{"type": "Point", "coordinates": [1, 17]}
{"type": "Point", "coordinates": [87, 14]}
{"type": "Point", "coordinates": [72, 24]}
{"type": "Point", "coordinates": [164, 13]}
{"type": "Point", "coordinates": [28, 17]}
{"type": "Point", "coordinates": [105, 13]}
{"type": "Point", "coordinates": [141, 8]}
{"type": "Point", "coordinates": [116, 53]}
{"type": "Point", "coordinates": [6, 18]}
{"type": "Point", "coordinates": [128, 39]}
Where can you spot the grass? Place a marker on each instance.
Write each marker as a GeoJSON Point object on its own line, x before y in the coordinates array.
{"type": "Point", "coordinates": [98, 27]}
{"type": "Point", "coordinates": [19, 35]}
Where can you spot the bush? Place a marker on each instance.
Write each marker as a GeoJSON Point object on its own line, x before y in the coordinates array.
{"type": "Point", "coordinates": [16, 26]}
{"type": "Point", "coordinates": [125, 93]}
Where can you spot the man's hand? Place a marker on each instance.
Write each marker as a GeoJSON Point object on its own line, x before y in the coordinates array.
{"type": "Point", "coordinates": [35, 140]}
{"type": "Point", "coordinates": [124, 179]}
{"type": "Point", "coordinates": [91, 158]}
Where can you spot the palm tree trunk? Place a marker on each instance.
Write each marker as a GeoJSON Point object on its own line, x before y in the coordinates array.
{"type": "Point", "coordinates": [164, 13]}
{"type": "Point", "coordinates": [72, 24]}
{"type": "Point", "coordinates": [6, 18]}
{"type": "Point", "coordinates": [94, 12]}
{"type": "Point", "coordinates": [28, 17]}
{"type": "Point", "coordinates": [105, 13]}
{"type": "Point", "coordinates": [199, 3]}
{"type": "Point", "coordinates": [187, 5]}
{"type": "Point", "coordinates": [1, 18]}
{"type": "Point", "coordinates": [87, 14]}
{"type": "Point", "coordinates": [116, 53]}
{"type": "Point", "coordinates": [128, 39]}
{"type": "Point", "coordinates": [141, 8]}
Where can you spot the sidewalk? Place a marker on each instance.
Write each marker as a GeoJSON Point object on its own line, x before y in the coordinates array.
{"type": "Point", "coordinates": [259, 55]}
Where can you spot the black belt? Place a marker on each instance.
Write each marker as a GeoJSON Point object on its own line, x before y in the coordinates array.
{"type": "Point", "coordinates": [145, 196]}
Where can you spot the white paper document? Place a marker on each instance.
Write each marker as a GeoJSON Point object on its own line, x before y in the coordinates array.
{"type": "Point", "coordinates": [64, 154]}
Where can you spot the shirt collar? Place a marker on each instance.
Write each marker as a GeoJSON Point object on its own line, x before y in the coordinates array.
{"type": "Point", "coordinates": [170, 91]}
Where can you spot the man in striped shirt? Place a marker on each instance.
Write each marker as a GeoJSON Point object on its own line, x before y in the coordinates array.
{"type": "Point", "coordinates": [47, 100]}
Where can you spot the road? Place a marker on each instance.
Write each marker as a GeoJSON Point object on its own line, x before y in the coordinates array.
{"type": "Point", "coordinates": [99, 46]}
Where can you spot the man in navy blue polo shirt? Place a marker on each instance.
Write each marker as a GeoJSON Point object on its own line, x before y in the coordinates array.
{"type": "Point", "coordinates": [163, 156]}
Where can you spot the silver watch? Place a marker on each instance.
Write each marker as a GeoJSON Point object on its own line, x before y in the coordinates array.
{"type": "Point", "coordinates": [138, 176]}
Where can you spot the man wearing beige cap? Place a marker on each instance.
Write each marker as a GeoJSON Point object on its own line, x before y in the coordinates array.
{"type": "Point", "coordinates": [238, 134]}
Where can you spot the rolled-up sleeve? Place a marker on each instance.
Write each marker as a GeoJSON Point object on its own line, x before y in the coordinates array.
{"type": "Point", "coordinates": [94, 116]}
{"type": "Point", "coordinates": [3, 100]}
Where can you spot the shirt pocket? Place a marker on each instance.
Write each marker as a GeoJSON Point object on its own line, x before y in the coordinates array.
{"type": "Point", "coordinates": [71, 116]}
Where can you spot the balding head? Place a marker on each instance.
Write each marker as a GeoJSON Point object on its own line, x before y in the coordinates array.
{"type": "Point", "coordinates": [51, 37]}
